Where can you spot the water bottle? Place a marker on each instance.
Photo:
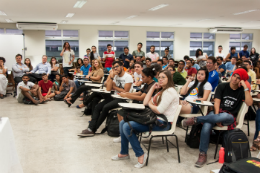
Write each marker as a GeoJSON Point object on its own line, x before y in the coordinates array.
{"type": "Point", "coordinates": [221, 155]}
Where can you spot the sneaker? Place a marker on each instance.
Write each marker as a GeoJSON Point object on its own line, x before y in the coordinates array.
{"type": "Point", "coordinates": [116, 158]}
{"type": "Point", "coordinates": [86, 133]}
{"type": "Point", "coordinates": [187, 122]}
{"type": "Point", "coordinates": [117, 140]}
{"type": "Point", "coordinates": [201, 160]}
{"type": "Point", "coordinates": [139, 165]}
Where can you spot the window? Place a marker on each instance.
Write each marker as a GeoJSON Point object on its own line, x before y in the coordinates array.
{"type": "Point", "coordinates": [54, 40]}
{"type": "Point", "coordinates": [11, 31]}
{"type": "Point", "coordinates": [203, 41]}
{"type": "Point", "coordinates": [239, 40]}
{"type": "Point", "coordinates": [118, 40]}
{"type": "Point", "coordinates": [2, 31]}
{"type": "Point", "coordinates": [161, 40]}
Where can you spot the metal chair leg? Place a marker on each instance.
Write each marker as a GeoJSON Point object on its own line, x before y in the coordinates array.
{"type": "Point", "coordinates": [167, 144]}
{"type": "Point", "coordinates": [216, 150]}
{"type": "Point", "coordinates": [149, 150]}
{"type": "Point", "coordinates": [177, 148]}
{"type": "Point", "coordinates": [248, 125]}
{"type": "Point", "coordinates": [186, 133]}
{"type": "Point", "coordinates": [162, 140]}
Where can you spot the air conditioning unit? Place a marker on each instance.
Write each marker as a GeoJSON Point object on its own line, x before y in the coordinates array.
{"type": "Point", "coordinates": [36, 26]}
{"type": "Point", "coordinates": [226, 30]}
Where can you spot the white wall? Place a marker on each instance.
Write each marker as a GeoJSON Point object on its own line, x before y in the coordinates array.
{"type": "Point", "coordinates": [88, 36]}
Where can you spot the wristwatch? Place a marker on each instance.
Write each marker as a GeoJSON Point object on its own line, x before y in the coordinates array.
{"type": "Point", "coordinates": [246, 89]}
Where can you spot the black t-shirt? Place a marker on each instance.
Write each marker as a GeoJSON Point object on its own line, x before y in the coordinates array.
{"type": "Point", "coordinates": [147, 87]}
{"type": "Point", "coordinates": [231, 100]}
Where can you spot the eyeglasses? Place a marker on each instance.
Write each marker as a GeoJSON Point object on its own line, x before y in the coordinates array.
{"type": "Point", "coordinates": [170, 70]}
{"type": "Point", "coordinates": [115, 67]}
{"type": "Point", "coordinates": [163, 77]}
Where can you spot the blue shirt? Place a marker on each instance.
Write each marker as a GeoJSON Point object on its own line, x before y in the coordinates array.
{"type": "Point", "coordinates": [243, 53]}
{"type": "Point", "coordinates": [124, 57]}
{"type": "Point", "coordinates": [155, 79]}
{"type": "Point", "coordinates": [196, 66]}
{"type": "Point", "coordinates": [164, 66]}
{"type": "Point", "coordinates": [213, 79]}
{"type": "Point", "coordinates": [85, 69]}
{"type": "Point", "coordinates": [224, 67]}
{"type": "Point", "coordinates": [42, 68]}
{"type": "Point", "coordinates": [230, 66]}
{"type": "Point", "coordinates": [233, 55]}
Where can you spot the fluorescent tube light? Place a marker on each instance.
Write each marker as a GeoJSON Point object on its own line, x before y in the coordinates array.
{"type": "Point", "coordinates": [130, 17]}
{"type": "Point", "coordinates": [2, 13]}
{"type": "Point", "coordinates": [79, 4]}
{"type": "Point", "coordinates": [70, 14]}
{"type": "Point", "coordinates": [64, 21]}
{"type": "Point", "coordinates": [158, 7]}
{"type": "Point", "coordinates": [9, 20]}
{"type": "Point", "coordinates": [244, 12]}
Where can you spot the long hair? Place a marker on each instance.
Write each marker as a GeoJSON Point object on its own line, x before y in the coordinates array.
{"type": "Point", "coordinates": [201, 90]}
{"type": "Point", "coordinates": [99, 65]}
{"type": "Point", "coordinates": [251, 51]}
{"type": "Point", "coordinates": [52, 59]}
{"type": "Point", "coordinates": [168, 85]}
{"type": "Point", "coordinates": [92, 54]}
{"type": "Point", "coordinates": [77, 64]}
{"type": "Point", "coordinates": [29, 65]}
{"type": "Point", "coordinates": [60, 79]}
{"type": "Point", "coordinates": [197, 53]}
{"type": "Point", "coordinates": [65, 44]}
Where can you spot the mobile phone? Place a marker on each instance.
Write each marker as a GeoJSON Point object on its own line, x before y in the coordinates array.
{"type": "Point", "coordinates": [198, 101]}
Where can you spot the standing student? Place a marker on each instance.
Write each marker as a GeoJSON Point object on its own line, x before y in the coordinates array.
{"type": "Point", "coordinates": [213, 74]}
{"type": "Point", "coordinates": [3, 77]}
{"type": "Point", "coordinates": [68, 57]}
{"type": "Point", "coordinates": [191, 71]}
{"type": "Point", "coordinates": [221, 68]}
{"type": "Point", "coordinates": [254, 56]}
{"type": "Point", "coordinates": [139, 52]}
{"type": "Point", "coordinates": [153, 55]}
{"type": "Point", "coordinates": [219, 53]}
{"type": "Point", "coordinates": [232, 54]}
{"type": "Point", "coordinates": [244, 52]}
{"type": "Point", "coordinates": [201, 58]}
{"type": "Point", "coordinates": [94, 54]}
{"type": "Point", "coordinates": [19, 69]}
{"type": "Point", "coordinates": [167, 53]}
{"type": "Point", "coordinates": [45, 86]}
{"type": "Point", "coordinates": [180, 68]}
{"type": "Point", "coordinates": [161, 103]}
{"type": "Point", "coordinates": [165, 62]}
{"type": "Point", "coordinates": [195, 90]}
{"type": "Point", "coordinates": [138, 74]}
{"type": "Point", "coordinates": [27, 62]}
{"type": "Point", "coordinates": [109, 57]}
{"type": "Point", "coordinates": [43, 67]}
{"type": "Point", "coordinates": [54, 68]}
{"type": "Point", "coordinates": [178, 79]}
{"type": "Point", "coordinates": [126, 57]}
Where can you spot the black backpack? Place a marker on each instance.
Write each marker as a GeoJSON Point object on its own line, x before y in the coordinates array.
{"type": "Point", "coordinates": [246, 165]}
{"type": "Point", "coordinates": [27, 101]}
{"type": "Point", "coordinates": [112, 125]}
{"type": "Point", "coordinates": [193, 139]}
{"type": "Point", "coordinates": [236, 145]}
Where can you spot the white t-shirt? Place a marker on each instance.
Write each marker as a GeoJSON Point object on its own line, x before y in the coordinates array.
{"type": "Point", "coordinates": [1, 70]}
{"type": "Point", "coordinates": [22, 84]}
{"type": "Point", "coordinates": [195, 92]}
{"type": "Point", "coordinates": [151, 55]}
{"type": "Point", "coordinates": [67, 57]}
{"type": "Point", "coordinates": [219, 54]}
{"type": "Point", "coordinates": [121, 81]}
{"type": "Point", "coordinates": [138, 77]}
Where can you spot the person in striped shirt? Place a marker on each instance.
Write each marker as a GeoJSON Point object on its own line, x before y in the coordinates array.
{"type": "Point", "coordinates": [109, 57]}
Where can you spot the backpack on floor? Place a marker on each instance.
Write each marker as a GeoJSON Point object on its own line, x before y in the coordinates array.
{"type": "Point", "coordinates": [60, 97]}
{"type": "Point", "coordinates": [236, 145]}
{"type": "Point", "coordinates": [112, 125]}
{"type": "Point", "coordinates": [27, 101]}
{"type": "Point", "coordinates": [246, 165]}
{"type": "Point", "coordinates": [193, 139]}
{"type": "Point", "coordinates": [88, 109]}
{"type": "Point", "coordinates": [250, 115]}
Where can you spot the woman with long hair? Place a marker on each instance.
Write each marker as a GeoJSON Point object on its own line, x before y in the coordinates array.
{"type": "Point", "coordinates": [257, 70]}
{"type": "Point", "coordinates": [57, 83]}
{"type": "Point", "coordinates": [94, 54]}
{"type": "Point", "coordinates": [27, 62]}
{"type": "Point", "coordinates": [3, 78]}
{"type": "Point", "coordinates": [201, 58]}
{"type": "Point", "coordinates": [161, 103]}
{"type": "Point", "coordinates": [79, 62]}
{"type": "Point", "coordinates": [195, 90]}
{"type": "Point", "coordinates": [254, 56]}
{"type": "Point", "coordinates": [68, 57]}
{"type": "Point", "coordinates": [54, 68]}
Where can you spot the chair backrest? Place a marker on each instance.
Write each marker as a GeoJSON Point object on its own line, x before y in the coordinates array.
{"type": "Point", "coordinates": [204, 109]}
{"type": "Point", "coordinates": [241, 115]}
{"type": "Point", "coordinates": [102, 80]}
{"type": "Point", "coordinates": [175, 118]}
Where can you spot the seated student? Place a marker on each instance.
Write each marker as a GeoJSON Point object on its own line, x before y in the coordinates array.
{"type": "Point", "coordinates": [95, 75]}
{"type": "Point", "coordinates": [180, 68]}
{"type": "Point", "coordinates": [195, 90]}
{"type": "Point", "coordinates": [178, 79]}
{"type": "Point", "coordinates": [221, 68]}
{"type": "Point", "coordinates": [161, 103]}
{"type": "Point", "coordinates": [43, 67]}
{"type": "Point", "coordinates": [29, 90]}
{"type": "Point", "coordinates": [189, 69]}
{"type": "Point", "coordinates": [244, 58]}
{"type": "Point", "coordinates": [194, 65]}
{"type": "Point", "coordinates": [228, 99]}
{"type": "Point", "coordinates": [138, 74]}
{"type": "Point", "coordinates": [257, 70]}
{"type": "Point", "coordinates": [57, 83]}
{"type": "Point", "coordinates": [138, 59]}
{"type": "Point", "coordinates": [213, 74]}
{"type": "Point", "coordinates": [132, 69]}
{"type": "Point", "coordinates": [130, 64]}
{"type": "Point", "coordinates": [45, 86]}
{"type": "Point", "coordinates": [171, 62]}
{"type": "Point", "coordinates": [256, 141]}
{"type": "Point", "coordinates": [19, 69]}
{"type": "Point", "coordinates": [27, 62]}
{"type": "Point", "coordinates": [67, 87]}
{"type": "Point", "coordinates": [231, 66]}
{"type": "Point", "coordinates": [3, 79]}
{"type": "Point", "coordinates": [148, 62]}
{"type": "Point", "coordinates": [119, 59]}
{"type": "Point", "coordinates": [118, 80]}
{"type": "Point", "coordinates": [251, 73]}
{"type": "Point", "coordinates": [165, 62]}
{"type": "Point", "coordinates": [160, 62]}
{"type": "Point", "coordinates": [157, 69]}
{"type": "Point", "coordinates": [84, 69]}
{"type": "Point", "coordinates": [54, 68]}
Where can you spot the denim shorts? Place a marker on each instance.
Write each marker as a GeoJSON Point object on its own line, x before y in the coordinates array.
{"type": "Point", "coordinates": [194, 108]}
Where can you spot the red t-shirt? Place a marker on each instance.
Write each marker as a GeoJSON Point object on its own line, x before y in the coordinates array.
{"type": "Point", "coordinates": [191, 71]}
{"type": "Point", "coordinates": [45, 86]}
{"type": "Point", "coordinates": [109, 60]}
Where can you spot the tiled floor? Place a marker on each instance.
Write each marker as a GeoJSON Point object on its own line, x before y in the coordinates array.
{"type": "Point", "coordinates": [47, 142]}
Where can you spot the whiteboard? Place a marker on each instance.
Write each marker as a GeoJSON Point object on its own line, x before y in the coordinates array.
{"type": "Point", "coordinates": [11, 45]}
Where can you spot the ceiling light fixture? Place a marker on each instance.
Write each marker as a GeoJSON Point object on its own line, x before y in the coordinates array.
{"type": "Point", "coordinates": [115, 23]}
{"type": "Point", "coordinates": [2, 13]}
{"type": "Point", "coordinates": [9, 20]}
{"type": "Point", "coordinates": [158, 7]}
{"type": "Point", "coordinates": [70, 14]}
{"type": "Point", "coordinates": [79, 4]}
{"type": "Point", "coordinates": [64, 21]}
{"type": "Point", "coordinates": [130, 17]}
{"type": "Point", "coordinates": [244, 12]}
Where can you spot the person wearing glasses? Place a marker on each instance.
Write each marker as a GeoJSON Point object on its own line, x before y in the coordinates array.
{"type": "Point", "coordinates": [118, 80]}
{"type": "Point", "coordinates": [180, 69]}
{"type": "Point", "coordinates": [213, 74]}
{"type": "Point", "coordinates": [166, 53]}
{"type": "Point", "coordinates": [178, 79]}
{"type": "Point", "coordinates": [191, 71]}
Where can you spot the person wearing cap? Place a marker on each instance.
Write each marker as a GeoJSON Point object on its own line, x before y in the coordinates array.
{"type": "Point", "coordinates": [244, 52]}
{"type": "Point", "coordinates": [84, 70]}
{"type": "Point", "coordinates": [229, 97]}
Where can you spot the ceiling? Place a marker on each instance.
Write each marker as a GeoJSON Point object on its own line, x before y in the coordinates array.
{"type": "Point", "coordinates": [179, 13]}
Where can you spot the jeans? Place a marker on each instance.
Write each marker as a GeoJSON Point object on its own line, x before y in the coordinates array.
{"type": "Point", "coordinates": [125, 131]}
{"type": "Point", "coordinates": [80, 90]}
{"type": "Point", "coordinates": [257, 123]}
{"type": "Point", "coordinates": [66, 70]}
{"type": "Point", "coordinates": [209, 122]}
{"type": "Point", "coordinates": [78, 84]}
{"type": "Point", "coordinates": [92, 100]}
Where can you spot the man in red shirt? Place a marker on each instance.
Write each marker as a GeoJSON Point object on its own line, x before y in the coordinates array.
{"type": "Point", "coordinates": [45, 87]}
{"type": "Point", "coordinates": [191, 71]}
{"type": "Point", "coordinates": [109, 57]}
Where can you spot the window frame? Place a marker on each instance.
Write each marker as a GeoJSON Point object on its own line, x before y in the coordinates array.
{"type": "Point", "coordinates": [4, 33]}
{"type": "Point", "coordinates": [240, 41]}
